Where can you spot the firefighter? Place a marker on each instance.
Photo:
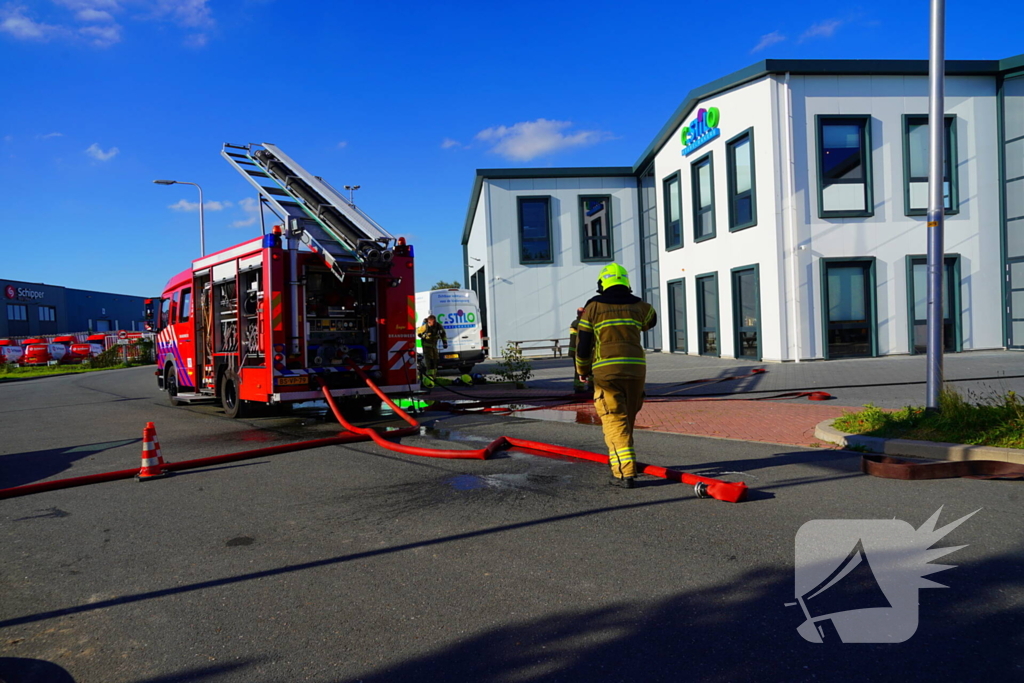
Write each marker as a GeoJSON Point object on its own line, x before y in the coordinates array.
{"type": "Point", "coordinates": [609, 347]}
{"type": "Point", "coordinates": [577, 385]}
{"type": "Point", "coordinates": [430, 332]}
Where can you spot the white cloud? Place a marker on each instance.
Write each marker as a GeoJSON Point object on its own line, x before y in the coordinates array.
{"type": "Point", "coordinates": [343, 144]}
{"type": "Point", "coordinates": [822, 29]}
{"type": "Point", "coordinates": [196, 40]}
{"type": "Point", "coordinates": [96, 153]}
{"type": "Point", "coordinates": [193, 13]}
{"type": "Point", "coordinates": [448, 143]}
{"type": "Point", "coordinates": [8, 138]}
{"type": "Point", "coordinates": [51, 135]}
{"type": "Point", "coordinates": [102, 36]}
{"type": "Point", "coordinates": [22, 27]}
{"type": "Point", "coordinates": [185, 205]}
{"type": "Point", "coordinates": [90, 14]}
{"type": "Point", "coordinates": [530, 139]}
{"type": "Point", "coordinates": [252, 208]}
{"type": "Point", "coordinates": [767, 40]}
{"type": "Point", "coordinates": [97, 20]}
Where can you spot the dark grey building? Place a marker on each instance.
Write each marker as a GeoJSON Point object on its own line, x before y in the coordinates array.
{"type": "Point", "coordinates": [31, 309]}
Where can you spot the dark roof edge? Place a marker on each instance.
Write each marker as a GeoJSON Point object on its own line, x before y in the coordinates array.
{"type": "Point", "coordinates": [805, 67]}
{"type": "Point", "coordinates": [509, 173]}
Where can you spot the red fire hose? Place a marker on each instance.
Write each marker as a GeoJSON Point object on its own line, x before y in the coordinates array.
{"type": "Point", "coordinates": [732, 492]}
{"type": "Point", "coordinates": [39, 487]}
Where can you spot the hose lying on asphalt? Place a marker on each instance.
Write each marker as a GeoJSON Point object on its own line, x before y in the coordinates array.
{"type": "Point", "coordinates": [42, 486]}
{"type": "Point", "coordinates": [731, 492]}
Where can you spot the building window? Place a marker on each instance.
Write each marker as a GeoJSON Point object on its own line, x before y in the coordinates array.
{"type": "Point", "coordinates": [535, 230]}
{"type": "Point", "coordinates": [844, 167]}
{"type": "Point", "coordinates": [702, 176]}
{"type": "Point", "coordinates": [47, 314]}
{"type": "Point", "coordinates": [915, 166]}
{"type": "Point", "coordinates": [917, 300]}
{"type": "Point", "coordinates": [707, 314]}
{"type": "Point", "coordinates": [739, 156]}
{"type": "Point", "coordinates": [673, 212]}
{"type": "Point", "coordinates": [17, 312]}
{"type": "Point", "coordinates": [746, 308]}
{"type": "Point", "coordinates": [849, 303]}
{"type": "Point", "coordinates": [677, 316]}
{"type": "Point", "coordinates": [596, 224]}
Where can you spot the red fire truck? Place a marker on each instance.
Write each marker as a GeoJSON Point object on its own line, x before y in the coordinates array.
{"type": "Point", "coordinates": [267, 320]}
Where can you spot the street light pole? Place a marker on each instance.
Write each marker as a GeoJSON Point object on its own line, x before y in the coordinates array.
{"type": "Point", "coordinates": [202, 224]}
{"type": "Point", "coordinates": [351, 190]}
{"type": "Point", "coordinates": [936, 205]}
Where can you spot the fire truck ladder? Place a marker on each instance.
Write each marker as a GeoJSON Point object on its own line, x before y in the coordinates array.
{"type": "Point", "coordinates": [330, 225]}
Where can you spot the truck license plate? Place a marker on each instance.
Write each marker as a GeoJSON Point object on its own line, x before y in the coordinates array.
{"type": "Point", "coordinates": [451, 355]}
{"type": "Point", "coordinates": [289, 381]}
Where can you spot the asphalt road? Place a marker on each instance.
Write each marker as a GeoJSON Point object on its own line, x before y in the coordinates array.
{"type": "Point", "coordinates": [355, 564]}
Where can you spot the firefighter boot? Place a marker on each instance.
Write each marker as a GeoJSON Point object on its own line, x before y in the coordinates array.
{"type": "Point", "coordinates": [623, 482]}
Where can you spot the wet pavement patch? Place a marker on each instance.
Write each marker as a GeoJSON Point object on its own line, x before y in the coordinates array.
{"type": "Point", "coordinates": [240, 540]}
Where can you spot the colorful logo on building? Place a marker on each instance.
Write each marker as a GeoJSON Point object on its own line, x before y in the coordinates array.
{"type": "Point", "coordinates": [22, 294]}
{"type": "Point", "coordinates": [701, 130]}
{"type": "Point", "coordinates": [457, 321]}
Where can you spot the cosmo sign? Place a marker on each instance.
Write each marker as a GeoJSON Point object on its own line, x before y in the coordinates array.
{"type": "Point", "coordinates": [701, 130]}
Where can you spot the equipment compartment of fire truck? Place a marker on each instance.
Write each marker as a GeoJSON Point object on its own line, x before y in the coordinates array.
{"type": "Point", "coordinates": [271, 319]}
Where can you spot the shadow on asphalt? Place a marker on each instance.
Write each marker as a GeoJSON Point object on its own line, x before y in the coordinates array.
{"type": "Point", "coordinates": [742, 631]}
{"type": "Point", "coordinates": [18, 469]}
{"type": "Point", "coordinates": [24, 670]}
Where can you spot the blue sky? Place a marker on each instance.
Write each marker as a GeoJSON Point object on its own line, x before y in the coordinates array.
{"type": "Point", "coordinates": [100, 97]}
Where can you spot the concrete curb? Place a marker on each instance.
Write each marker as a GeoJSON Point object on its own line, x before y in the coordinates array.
{"type": "Point", "coordinates": [932, 450]}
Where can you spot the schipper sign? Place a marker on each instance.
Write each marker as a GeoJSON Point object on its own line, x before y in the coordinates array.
{"type": "Point", "coordinates": [11, 292]}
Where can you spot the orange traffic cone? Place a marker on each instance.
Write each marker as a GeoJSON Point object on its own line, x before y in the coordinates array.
{"type": "Point", "coordinates": [152, 461]}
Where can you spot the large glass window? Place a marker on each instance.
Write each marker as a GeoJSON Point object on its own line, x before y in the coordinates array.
{"type": "Point", "coordinates": [746, 308]}
{"type": "Point", "coordinates": [677, 315]}
{"type": "Point", "coordinates": [673, 212]}
{"type": "Point", "coordinates": [17, 312]}
{"type": "Point", "coordinates": [844, 166]}
{"type": "Point", "coordinates": [47, 314]}
{"type": "Point", "coordinates": [739, 153]}
{"type": "Point", "coordinates": [535, 230]}
{"type": "Point", "coordinates": [918, 299]}
{"type": "Point", "coordinates": [702, 176]}
{"type": "Point", "coordinates": [915, 166]}
{"type": "Point", "coordinates": [850, 328]}
{"type": "Point", "coordinates": [596, 221]}
{"type": "Point", "coordinates": [707, 314]}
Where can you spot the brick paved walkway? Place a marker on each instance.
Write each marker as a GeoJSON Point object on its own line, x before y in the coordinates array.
{"type": "Point", "coordinates": [790, 422]}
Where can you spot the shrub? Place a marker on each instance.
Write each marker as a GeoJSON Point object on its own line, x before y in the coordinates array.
{"type": "Point", "coordinates": [513, 367]}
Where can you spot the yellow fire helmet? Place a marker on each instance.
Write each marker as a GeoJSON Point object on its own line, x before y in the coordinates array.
{"type": "Point", "coordinates": [611, 275]}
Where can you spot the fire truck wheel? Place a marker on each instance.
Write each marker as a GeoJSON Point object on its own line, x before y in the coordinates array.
{"type": "Point", "coordinates": [234, 407]}
{"type": "Point", "coordinates": [171, 384]}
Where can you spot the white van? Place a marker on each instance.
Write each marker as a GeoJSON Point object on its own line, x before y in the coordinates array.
{"type": "Point", "coordinates": [458, 312]}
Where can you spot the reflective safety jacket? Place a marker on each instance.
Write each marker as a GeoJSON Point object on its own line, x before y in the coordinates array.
{"type": "Point", "coordinates": [609, 335]}
{"type": "Point", "coordinates": [573, 331]}
{"type": "Point", "coordinates": [431, 334]}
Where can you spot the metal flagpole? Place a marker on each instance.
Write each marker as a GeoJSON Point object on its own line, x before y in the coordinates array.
{"type": "Point", "coordinates": [936, 207]}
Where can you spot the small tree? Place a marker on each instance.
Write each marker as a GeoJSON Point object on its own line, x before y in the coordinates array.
{"type": "Point", "coordinates": [513, 367]}
{"type": "Point", "coordinates": [441, 284]}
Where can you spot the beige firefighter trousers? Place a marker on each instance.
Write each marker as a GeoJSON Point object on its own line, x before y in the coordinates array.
{"type": "Point", "coordinates": [617, 402]}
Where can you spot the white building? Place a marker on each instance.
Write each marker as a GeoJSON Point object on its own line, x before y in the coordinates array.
{"type": "Point", "coordinates": [779, 214]}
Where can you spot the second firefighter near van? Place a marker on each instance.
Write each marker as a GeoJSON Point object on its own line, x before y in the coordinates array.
{"type": "Point", "coordinates": [431, 332]}
{"type": "Point", "coordinates": [609, 348]}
